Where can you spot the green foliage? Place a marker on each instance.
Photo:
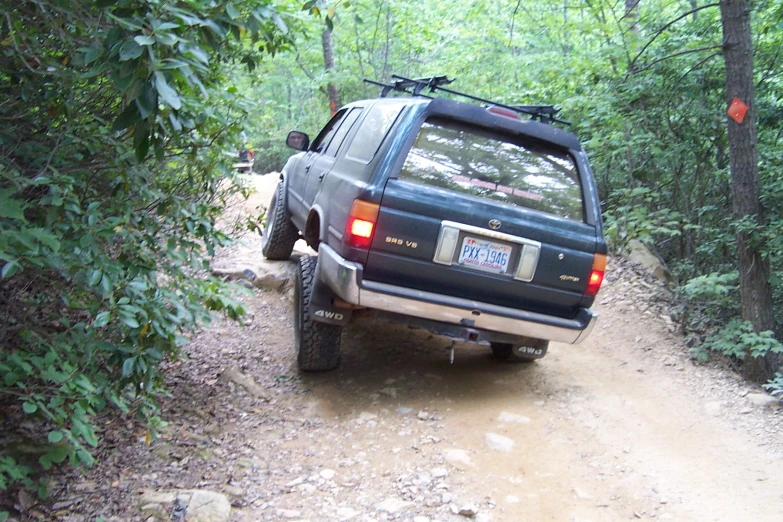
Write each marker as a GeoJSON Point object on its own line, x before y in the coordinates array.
{"type": "Point", "coordinates": [116, 132]}
{"type": "Point", "coordinates": [739, 340]}
{"type": "Point", "coordinates": [775, 386]}
{"type": "Point", "coordinates": [711, 285]}
{"type": "Point", "coordinates": [637, 218]}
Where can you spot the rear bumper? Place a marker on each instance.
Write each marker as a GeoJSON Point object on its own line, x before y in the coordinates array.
{"type": "Point", "coordinates": [345, 279]}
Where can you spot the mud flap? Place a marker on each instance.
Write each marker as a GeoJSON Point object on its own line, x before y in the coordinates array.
{"type": "Point", "coordinates": [322, 307]}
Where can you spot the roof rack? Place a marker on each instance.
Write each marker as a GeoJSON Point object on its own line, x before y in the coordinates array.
{"type": "Point", "coordinates": [415, 87]}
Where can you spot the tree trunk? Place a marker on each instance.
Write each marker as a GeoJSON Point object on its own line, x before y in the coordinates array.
{"type": "Point", "coordinates": [331, 89]}
{"type": "Point", "coordinates": [755, 294]}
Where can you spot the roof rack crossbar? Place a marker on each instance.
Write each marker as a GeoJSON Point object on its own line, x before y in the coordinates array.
{"type": "Point", "coordinates": [542, 113]}
{"type": "Point", "coordinates": [395, 87]}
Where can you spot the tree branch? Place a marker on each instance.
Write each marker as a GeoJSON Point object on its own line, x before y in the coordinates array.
{"type": "Point", "coordinates": [660, 31]}
{"type": "Point", "coordinates": [689, 51]}
{"type": "Point", "coordinates": [308, 73]}
{"type": "Point", "coordinates": [513, 20]}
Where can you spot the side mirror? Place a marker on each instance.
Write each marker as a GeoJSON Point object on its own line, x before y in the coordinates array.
{"type": "Point", "coordinates": [298, 140]}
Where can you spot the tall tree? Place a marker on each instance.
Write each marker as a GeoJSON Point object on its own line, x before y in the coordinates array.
{"type": "Point", "coordinates": [331, 88]}
{"type": "Point", "coordinates": [755, 292]}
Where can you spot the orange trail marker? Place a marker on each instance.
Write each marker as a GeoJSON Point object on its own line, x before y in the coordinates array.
{"type": "Point", "coordinates": [737, 110]}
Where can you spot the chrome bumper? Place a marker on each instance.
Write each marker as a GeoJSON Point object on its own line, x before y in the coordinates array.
{"type": "Point", "coordinates": [345, 280]}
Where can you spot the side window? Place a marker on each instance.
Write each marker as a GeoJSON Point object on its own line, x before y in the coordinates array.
{"type": "Point", "coordinates": [374, 129]}
{"type": "Point", "coordinates": [326, 134]}
{"type": "Point", "coordinates": [345, 126]}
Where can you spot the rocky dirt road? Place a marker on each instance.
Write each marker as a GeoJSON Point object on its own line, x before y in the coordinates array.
{"type": "Point", "coordinates": [621, 427]}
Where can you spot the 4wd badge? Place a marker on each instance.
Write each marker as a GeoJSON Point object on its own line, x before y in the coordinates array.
{"type": "Point", "coordinates": [494, 224]}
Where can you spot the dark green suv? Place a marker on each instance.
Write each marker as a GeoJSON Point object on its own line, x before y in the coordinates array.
{"type": "Point", "coordinates": [470, 220]}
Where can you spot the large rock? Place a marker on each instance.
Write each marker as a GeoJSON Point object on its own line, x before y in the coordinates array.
{"type": "Point", "coordinates": [640, 254]}
{"type": "Point", "coordinates": [198, 505]}
{"type": "Point", "coordinates": [208, 506]}
{"type": "Point", "coordinates": [762, 400]}
{"type": "Point", "coordinates": [257, 271]}
{"type": "Point", "coordinates": [458, 458]}
{"type": "Point", "coordinates": [499, 442]}
{"type": "Point", "coordinates": [393, 505]}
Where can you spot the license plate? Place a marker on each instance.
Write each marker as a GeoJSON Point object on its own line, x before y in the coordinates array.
{"type": "Point", "coordinates": [484, 255]}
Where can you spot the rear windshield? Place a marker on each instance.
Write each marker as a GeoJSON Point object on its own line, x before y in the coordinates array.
{"type": "Point", "coordinates": [495, 166]}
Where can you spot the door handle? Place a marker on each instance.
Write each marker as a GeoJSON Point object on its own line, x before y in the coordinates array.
{"type": "Point", "coordinates": [307, 169]}
{"type": "Point", "coordinates": [321, 176]}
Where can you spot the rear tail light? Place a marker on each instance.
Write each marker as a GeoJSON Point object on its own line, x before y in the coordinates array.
{"type": "Point", "coordinates": [596, 275]}
{"type": "Point", "coordinates": [361, 223]}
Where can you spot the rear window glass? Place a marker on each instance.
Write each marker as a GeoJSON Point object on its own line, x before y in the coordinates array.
{"type": "Point", "coordinates": [374, 128]}
{"type": "Point", "coordinates": [495, 166]}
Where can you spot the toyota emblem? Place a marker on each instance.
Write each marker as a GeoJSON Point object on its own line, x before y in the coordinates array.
{"type": "Point", "coordinates": [494, 224]}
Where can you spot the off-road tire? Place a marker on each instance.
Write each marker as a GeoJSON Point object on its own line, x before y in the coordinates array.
{"type": "Point", "coordinates": [317, 344]}
{"type": "Point", "coordinates": [280, 234]}
{"type": "Point", "coordinates": [511, 352]}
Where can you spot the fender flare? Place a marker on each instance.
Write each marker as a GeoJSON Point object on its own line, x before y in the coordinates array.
{"type": "Point", "coordinates": [317, 210]}
{"type": "Point", "coordinates": [284, 181]}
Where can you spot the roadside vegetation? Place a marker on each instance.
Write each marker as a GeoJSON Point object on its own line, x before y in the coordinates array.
{"type": "Point", "coordinates": [120, 120]}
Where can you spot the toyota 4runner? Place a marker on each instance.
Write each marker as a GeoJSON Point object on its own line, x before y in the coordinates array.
{"type": "Point", "coordinates": [478, 222]}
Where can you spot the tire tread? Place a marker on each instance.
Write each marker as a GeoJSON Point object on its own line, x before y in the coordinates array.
{"type": "Point", "coordinates": [318, 344]}
{"type": "Point", "coordinates": [282, 233]}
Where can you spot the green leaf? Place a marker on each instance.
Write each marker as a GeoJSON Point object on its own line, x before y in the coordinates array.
{"type": "Point", "coordinates": [141, 141]}
{"type": "Point", "coordinates": [143, 39]}
{"type": "Point", "coordinates": [55, 436]}
{"type": "Point", "coordinates": [166, 93]}
{"type": "Point", "coordinates": [130, 321]}
{"type": "Point", "coordinates": [153, 353]}
{"type": "Point", "coordinates": [128, 118]}
{"type": "Point", "coordinates": [9, 269]}
{"type": "Point", "coordinates": [54, 456]}
{"type": "Point", "coordinates": [9, 207]}
{"type": "Point", "coordinates": [280, 23]}
{"type": "Point", "coordinates": [29, 407]}
{"type": "Point", "coordinates": [130, 50]}
{"type": "Point", "coordinates": [232, 11]}
{"type": "Point", "coordinates": [127, 366]}
{"type": "Point", "coordinates": [102, 319]}
{"type": "Point", "coordinates": [95, 277]}
{"type": "Point", "coordinates": [145, 101]}
{"type": "Point", "coordinates": [106, 285]}
{"type": "Point", "coordinates": [84, 457]}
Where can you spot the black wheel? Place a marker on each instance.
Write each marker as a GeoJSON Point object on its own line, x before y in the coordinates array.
{"type": "Point", "coordinates": [280, 234]}
{"type": "Point", "coordinates": [520, 353]}
{"type": "Point", "coordinates": [317, 344]}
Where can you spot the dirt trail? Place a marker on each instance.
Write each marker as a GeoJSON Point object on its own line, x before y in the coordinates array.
{"type": "Point", "coordinates": [621, 427]}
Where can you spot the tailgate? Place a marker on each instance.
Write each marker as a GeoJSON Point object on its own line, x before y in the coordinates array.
{"type": "Point", "coordinates": [459, 231]}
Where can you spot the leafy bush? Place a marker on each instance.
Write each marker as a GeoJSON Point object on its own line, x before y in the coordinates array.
{"type": "Point", "coordinates": [739, 340]}
{"type": "Point", "coordinates": [116, 132]}
{"type": "Point", "coordinates": [775, 386]}
{"type": "Point", "coordinates": [634, 217]}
